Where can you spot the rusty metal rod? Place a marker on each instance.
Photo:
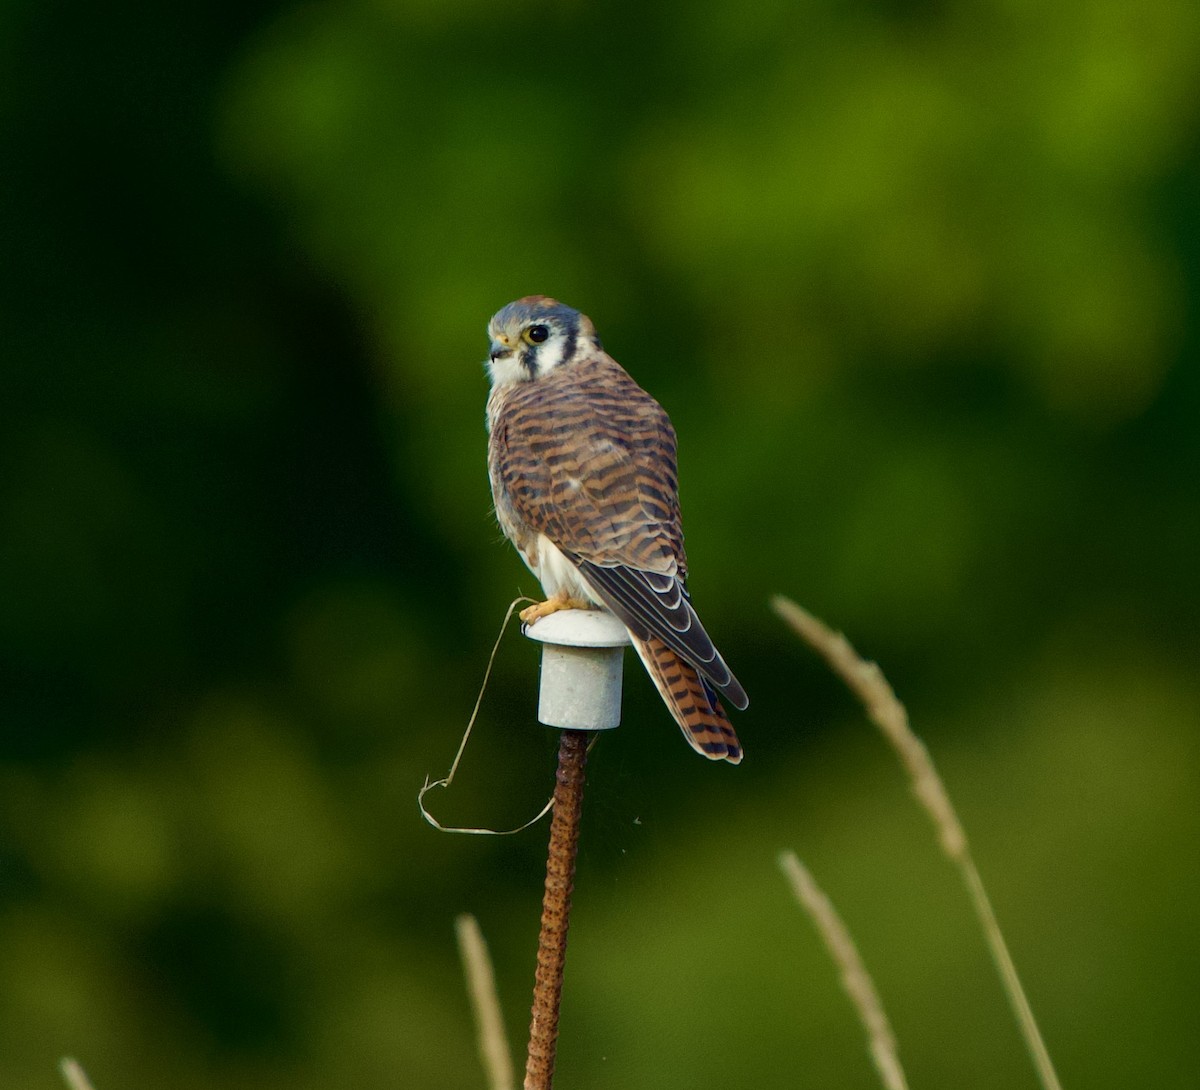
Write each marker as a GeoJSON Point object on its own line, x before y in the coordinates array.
{"type": "Point", "coordinates": [556, 909]}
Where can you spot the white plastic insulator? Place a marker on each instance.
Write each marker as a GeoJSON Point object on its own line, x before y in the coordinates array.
{"type": "Point", "coordinates": [582, 652]}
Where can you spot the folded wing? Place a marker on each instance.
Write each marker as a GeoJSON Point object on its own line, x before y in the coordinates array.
{"type": "Point", "coordinates": [588, 459]}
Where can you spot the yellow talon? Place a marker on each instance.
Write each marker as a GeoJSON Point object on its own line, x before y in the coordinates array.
{"type": "Point", "coordinates": [538, 610]}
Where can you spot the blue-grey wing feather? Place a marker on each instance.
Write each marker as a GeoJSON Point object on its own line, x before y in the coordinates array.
{"type": "Point", "coordinates": [635, 596]}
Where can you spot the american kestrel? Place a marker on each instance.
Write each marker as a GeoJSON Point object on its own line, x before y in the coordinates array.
{"type": "Point", "coordinates": [582, 466]}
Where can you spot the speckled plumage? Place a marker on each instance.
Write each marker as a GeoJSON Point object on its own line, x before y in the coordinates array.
{"type": "Point", "coordinates": [583, 471]}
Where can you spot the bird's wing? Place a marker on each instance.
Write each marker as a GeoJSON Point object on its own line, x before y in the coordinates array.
{"type": "Point", "coordinates": [587, 458]}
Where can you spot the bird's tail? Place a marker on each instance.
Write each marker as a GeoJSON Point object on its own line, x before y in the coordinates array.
{"type": "Point", "coordinates": [693, 703]}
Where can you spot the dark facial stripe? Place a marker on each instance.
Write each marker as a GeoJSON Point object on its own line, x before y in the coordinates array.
{"type": "Point", "coordinates": [561, 320]}
{"type": "Point", "coordinates": [572, 331]}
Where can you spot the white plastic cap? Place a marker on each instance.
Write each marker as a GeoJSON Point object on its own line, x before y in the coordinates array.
{"type": "Point", "coordinates": [582, 653]}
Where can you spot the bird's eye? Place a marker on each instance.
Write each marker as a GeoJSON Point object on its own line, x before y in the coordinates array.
{"type": "Point", "coordinates": [536, 334]}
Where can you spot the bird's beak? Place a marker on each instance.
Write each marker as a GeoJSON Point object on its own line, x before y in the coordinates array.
{"type": "Point", "coordinates": [501, 347]}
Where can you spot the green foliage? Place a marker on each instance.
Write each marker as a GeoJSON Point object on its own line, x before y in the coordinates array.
{"type": "Point", "coordinates": [918, 284]}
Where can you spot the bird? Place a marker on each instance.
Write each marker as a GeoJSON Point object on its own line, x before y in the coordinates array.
{"type": "Point", "coordinates": [583, 471]}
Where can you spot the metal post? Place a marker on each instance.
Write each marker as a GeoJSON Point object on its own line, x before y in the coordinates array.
{"type": "Point", "coordinates": [580, 692]}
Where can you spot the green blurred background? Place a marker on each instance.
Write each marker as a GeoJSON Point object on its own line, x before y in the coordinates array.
{"type": "Point", "coordinates": [920, 286]}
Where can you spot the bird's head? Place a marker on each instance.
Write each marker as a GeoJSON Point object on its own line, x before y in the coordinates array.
{"type": "Point", "coordinates": [533, 336]}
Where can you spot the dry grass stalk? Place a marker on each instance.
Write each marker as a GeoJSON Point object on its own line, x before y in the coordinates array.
{"type": "Point", "coordinates": [867, 682]}
{"type": "Point", "coordinates": [855, 978]}
{"type": "Point", "coordinates": [73, 1075]}
{"type": "Point", "coordinates": [489, 1020]}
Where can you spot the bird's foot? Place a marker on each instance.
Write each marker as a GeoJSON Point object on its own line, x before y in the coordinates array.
{"type": "Point", "coordinates": [538, 610]}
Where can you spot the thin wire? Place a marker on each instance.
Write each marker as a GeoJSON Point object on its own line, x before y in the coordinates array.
{"type": "Point", "coordinates": [449, 777]}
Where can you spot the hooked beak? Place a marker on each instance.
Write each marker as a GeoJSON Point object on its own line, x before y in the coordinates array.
{"type": "Point", "coordinates": [501, 347]}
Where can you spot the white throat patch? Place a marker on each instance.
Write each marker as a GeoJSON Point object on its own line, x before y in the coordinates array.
{"type": "Point", "coordinates": [506, 369]}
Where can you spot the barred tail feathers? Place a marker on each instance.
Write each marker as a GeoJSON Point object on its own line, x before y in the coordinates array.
{"type": "Point", "coordinates": [694, 705]}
